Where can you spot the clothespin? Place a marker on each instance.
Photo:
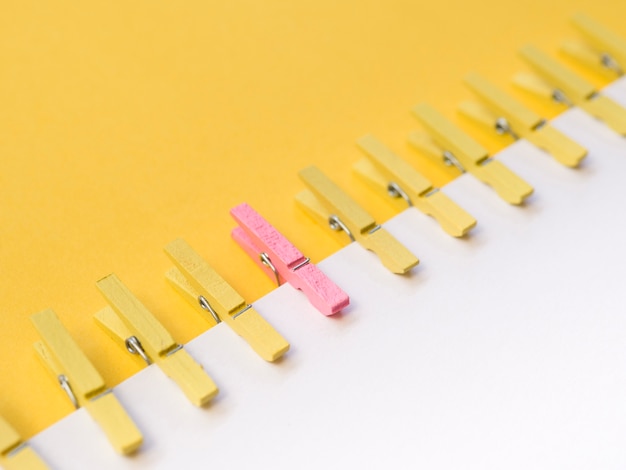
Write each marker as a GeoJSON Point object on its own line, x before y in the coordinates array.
{"type": "Point", "coordinates": [500, 112]}
{"type": "Point", "coordinates": [563, 86]}
{"type": "Point", "coordinates": [15, 454]}
{"type": "Point", "coordinates": [131, 325]}
{"type": "Point", "coordinates": [80, 380]}
{"type": "Point", "coordinates": [603, 51]}
{"type": "Point", "coordinates": [448, 145]}
{"type": "Point", "coordinates": [325, 202]}
{"type": "Point", "coordinates": [390, 175]}
{"type": "Point", "coordinates": [282, 261]}
{"type": "Point", "coordinates": [217, 301]}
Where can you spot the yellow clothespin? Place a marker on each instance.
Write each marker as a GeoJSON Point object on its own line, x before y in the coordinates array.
{"type": "Point", "coordinates": [15, 454]}
{"type": "Point", "coordinates": [451, 146]}
{"type": "Point", "coordinates": [389, 174]}
{"type": "Point", "coordinates": [217, 301]}
{"type": "Point", "coordinates": [326, 203]}
{"type": "Point", "coordinates": [564, 86]}
{"type": "Point", "coordinates": [500, 112]}
{"type": "Point", "coordinates": [129, 323]}
{"type": "Point", "coordinates": [82, 382]}
{"type": "Point", "coordinates": [604, 51]}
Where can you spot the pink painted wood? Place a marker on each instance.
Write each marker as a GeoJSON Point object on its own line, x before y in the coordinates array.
{"type": "Point", "coordinates": [255, 235]}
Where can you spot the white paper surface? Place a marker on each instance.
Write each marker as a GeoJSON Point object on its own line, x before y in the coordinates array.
{"type": "Point", "coordinates": [616, 91]}
{"type": "Point", "coordinates": [506, 350]}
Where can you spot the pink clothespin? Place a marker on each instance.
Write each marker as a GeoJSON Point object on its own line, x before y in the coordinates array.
{"type": "Point", "coordinates": [283, 262]}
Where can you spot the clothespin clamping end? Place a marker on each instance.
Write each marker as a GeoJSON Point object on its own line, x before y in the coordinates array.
{"type": "Point", "coordinates": [390, 175]}
{"type": "Point", "coordinates": [500, 112]}
{"type": "Point", "coordinates": [283, 262]}
{"type": "Point", "coordinates": [131, 325]}
{"type": "Point", "coordinates": [561, 85]}
{"type": "Point", "coordinates": [447, 145]}
{"type": "Point", "coordinates": [15, 454]}
{"type": "Point", "coordinates": [603, 50]}
{"type": "Point", "coordinates": [326, 203]}
{"type": "Point", "coordinates": [217, 301]}
{"type": "Point", "coordinates": [80, 380]}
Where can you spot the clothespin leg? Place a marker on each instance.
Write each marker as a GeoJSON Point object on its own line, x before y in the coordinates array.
{"type": "Point", "coordinates": [121, 431]}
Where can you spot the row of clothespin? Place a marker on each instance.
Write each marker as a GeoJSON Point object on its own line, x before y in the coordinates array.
{"type": "Point", "coordinates": [129, 323]}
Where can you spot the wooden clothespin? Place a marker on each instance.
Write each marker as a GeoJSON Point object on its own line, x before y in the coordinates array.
{"type": "Point", "coordinates": [83, 384]}
{"type": "Point", "coordinates": [217, 301]}
{"type": "Point", "coordinates": [561, 85]}
{"type": "Point", "coordinates": [603, 50]}
{"type": "Point", "coordinates": [505, 115]}
{"type": "Point", "coordinates": [15, 454]}
{"type": "Point", "coordinates": [283, 262]}
{"type": "Point", "coordinates": [326, 203]}
{"type": "Point", "coordinates": [390, 175]}
{"type": "Point", "coordinates": [131, 325]}
{"type": "Point", "coordinates": [450, 146]}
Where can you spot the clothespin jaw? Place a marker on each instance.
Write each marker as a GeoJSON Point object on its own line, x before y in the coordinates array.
{"type": "Point", "coordinates": [82, 382]}
{"type": "Point", "coordinates": [390, 175]}
{"type": "Point", "coordinates": [486, 118]}
{"type": "Point", "coordinates": [535, 85]}
{"type": "Point", "coordinates": [180, 284]}
{"type": "Point", "coordinates": [445, 161]}
{"type": "Point", "coordinates": [597, 61]}
{"type": "Point", "coordinates": [455, 147]}
{"type": "Point", "coordinates": [131, 325]}
{"type": "Point", "coordinates": [521, 119]}
{"type": "Point", "coordinates": [506, 115]}
{"type": "Point", "coordinates": [564, 86]}
{"type": "Point", "coordinates": [557, 76]}
{"type": "Point", "coordinates": [15, 454]}
{"type": "Point", "coordinates": [206, 288]}
{"type": "Point", "coordinates": [283, 262]}
{"type": "Point", "coordinates": [326, 203]}
{"type": "Point", "coordinates": [606, 50]}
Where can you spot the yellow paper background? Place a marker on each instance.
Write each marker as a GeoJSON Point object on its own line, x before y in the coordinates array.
{"type": "Point", "coordinates": [124, 125]}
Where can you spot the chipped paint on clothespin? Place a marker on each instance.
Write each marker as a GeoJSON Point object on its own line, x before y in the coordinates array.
{"type": "Point", "coordinates": [283, 262]}
{"type": "Point", "coordinates": [129, 323]}
{"type": "Point", "coordinates": [564, 86]}
{"type": "Point", "coordinates": [82, 382]}
{"type": "Point", "coordinates": [451, 146]}
{"type": "Point", "coordinates": [16, 454]}
{"type": "Point", "coordinates": [390, 175]}
{"type": "Point", "coordinates": [325, 202]}
{"type": "Point", "coordinates": [505, 115]}
{"type": "Point", "coordinates": [603, 51]}
{"type": "Point", "coordinates": [206, 290]}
